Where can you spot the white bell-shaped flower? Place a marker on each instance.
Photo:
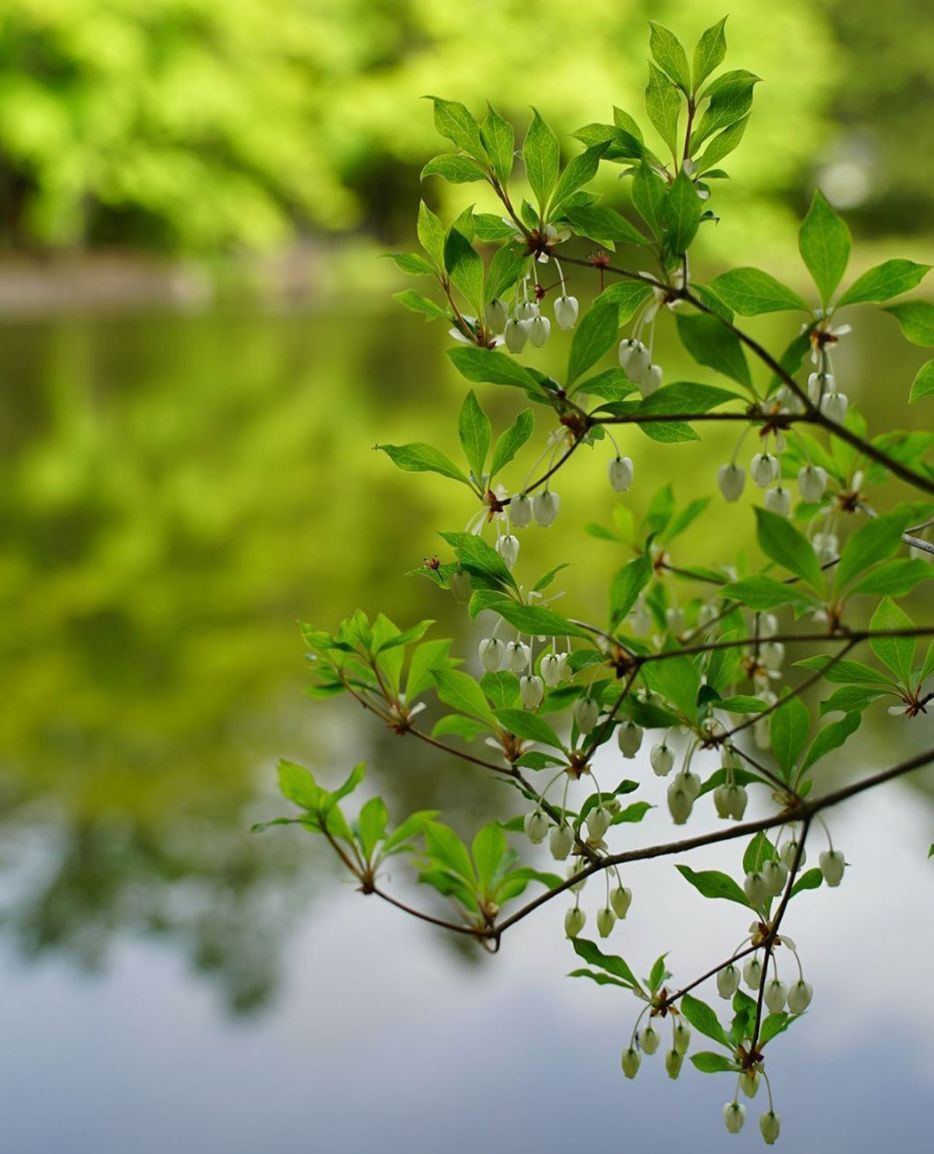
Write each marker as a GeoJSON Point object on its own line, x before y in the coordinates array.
{"type": "Point", "coordinates": [826, 546]}
{"type": "Point", "coordinates": [518, 656]}
{"type": "Point", "coordinates": [539, 331]}
{"type": "Point", "coordinates": [752, 973]}
{"type": "Point", "coordinates": [778, 500]}
{"type": "Point", "coordinates": [552, 668]}
{"type": "Point", "coordinates": [629, 738]}
{"type": "Point", "coordinates": [649, 1039]}
{"type": "Point", "coordinates": [731, 479]}
{"type": "Point", "coordinates": [812, 482]}
{"type": "Point", "coordinates": [566, 312]}
{"type": "Point", "coordinates": [586, 712]}
{"type": "Point", "coordinates": [516, 333]}
{"type": "Point", "coordinates": [545, 507]}
{"type": "Point", "coordinates": [776, 995]}
{"type": "Point", "coordinates": [764, 469]}
{"type": "Point", "coordinates": [680, 803]}
{"type": "Point", "coordinates": [834, 407]}
{"type": "Point", "coordinates": [520, 510]}
{"type": "Point", "coordinates": [495, 315]}
{"type": "Point", "coordinates": [799, 996]}
{"type": "Point", "coordinates": [727, 981]}
{"type": "Point", "coordinates": [536, 826]}
{"type": "Point", "coordinates": [620, 900]}
{"type": "Point", "coordinates": [832, 865]}
{"type": "Point", "coordinates": [775, 874]}
{"type": "Point", "coordinates": [673, 1063]}
{"type": "Point", "coordinates": [598, 822]}
{"type": "Point", "coordinates": [770, 1125]}
{"type": "Point", "coordinates": [531, 691]}
{"type": "Point", "coordinates": [662, 759]}
{"type": "Point", "coordinates": [755, 888]}
{"type": "Point", "coordinates": [734, 1115]}
{"type": "Point", "coordinates": [634, 359]}
{"type": "Point", "coordinates": [507, 546]}
{"type": "Point", "coordinates": [574, 921]}
{"type": "Point", "coordinates": [459, 583]}
{"type": "Point", "coordinates": [560, 842]}
{"type": "Point", "coordinates": [789, 852]}
{"type": "Point", "coordinates": [492, 654]}
{"type": "Point", "coordinates": [619, 470]}
{"type": "Point", "coordinates": [650, 381]}
{"type": "Point", "coordinates": [819, 385]}
{"type": "Point", "coordinates": [631, 1061]}
{"type": "Point", "coordinates": [606, 920]}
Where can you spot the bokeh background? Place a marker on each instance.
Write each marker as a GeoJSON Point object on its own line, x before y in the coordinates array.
{"type": "Point", "coordinates": [198, 353]}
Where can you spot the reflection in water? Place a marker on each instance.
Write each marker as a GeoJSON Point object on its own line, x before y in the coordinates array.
{"type": "Point", "coordinates": [175, 494]}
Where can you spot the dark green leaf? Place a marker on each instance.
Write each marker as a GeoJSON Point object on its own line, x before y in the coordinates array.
{"type": "Point", "coordinates": [626, 587]}
{"type": "Point", "coordinates": [849, 699]}
{"type": "Point", "coordinates": [765, 593]}
{"type": "Point", "coordinates": [782, 542]}
{"type": "Point", "coordinates": [824, 243]}
{"type": "Point", "coordinates": [579, 171]}
{"type": "Point", "coordinates": [511, 441]}
{"type": "Point", "coordinates": [594, 336]}
{"type": "Point", "coordinates": [663, 106]}
{"type": "Point", "coordinates": [603, 225]}
{"type": "Point", "coordinates": [481, 561]}
{"type": "Point", "coordinates": [758, 852]}
{"type": "Point", "coordinates": [873, 541]}
{"type": "Point", "coordinates": [648, 196]}
{"type": "Point", "coordinates": [713, 884]}
{"type": "Point", "coordinates": [809, 880]}
{"type": "Point", "coordinates": [540, 621]}
{"type": "Point", "coordinates": [505, 269]}
{"type": "Point", "coordinates": [712, 344]}
{"type": "Point", "coordinates": [600, 979]}
{"type": "Point", "coordinates": [710, 1063]}
{"type": "Point", "coordinates": [461, 692]}
{"type": "Point", "coordinates": [682, 215]}
{"type": "Point", "coordinates": [614, 965]}
{"type": "Point", "coordinates": [895, 578]}
{"type": "Point", "coordinates": [669, 55]}
{"type": "Point", "coordinates": [788, 728]}
{"type": "Point", "coordinates": [844, 672]}
{"type": "Point", "coordinates": [917, 321]}
{"type": "Point", "coordinates": [774, 1025]}
{"type": "Point", "coordinates": [542, 156]}
{"type": "Point", "coordinates": [658, 974]}
{"type": "Point", "coordinates": [475, 434]}
{"type": "Point", "coordinates": [465, 268]}
{"type": "Point", "coordinates": [886, 280]}
{"type": "Point", "coordinates": [529, 726]}
{"type": "Point", "coordinates": [730, 100]}
{"type": "Point", "coordinates": [721, 146]}
{"type": "Point", "coordinates": [831, 737]}
{"type": "Point", "coordinates": [704, 1020]}
{"type": "Point", "coordinates": [500, 141]}
{"type": "Point", "coordinates": [750, 292]}
{"type": "Point", "coordinates": [489, 366]}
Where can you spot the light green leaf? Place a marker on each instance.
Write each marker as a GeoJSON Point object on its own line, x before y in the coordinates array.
{"type": "Point", "coordinates": [594, 336]}
{"type": "Point", "coordinates": [713, 884]}
{"type": "Point", "coordinates": [844, 672]}
{"type": "Point", "coordinates": [730, 100]}
{"type": "Point", "coordinates": [895, 578]}
{"type": "Point", "coordinates": [603, 225]}
{"type": "Point", "coordinates": [824, 243]}
{"type": "Point", "coordinates": [371, 823]}
{"type": "Point", "coordinates": [297, 785]}
{"type": "Point", "coordinates": [886, 280]}
{"type": "Point", "coordinates": [810, 880]}
{"type": "Point", "coordinates": [475, 434]}
{"type": "Point", "coordinates": [763, 592]}
{"type": "Point", "coordinates": [443, 844]}
{"type": "Point", "coordinates": [465, 268]}
{"type": "Point", "coordinates": [431, 235]}
{"type": "Point", "coordinates": [455, 121]}
{"type": "Point", "coordinates": [580, 170]}
{"type": "Point", "coordinates": [454, 169]}
{"type": "Point", "coordinates": [425, 657]}
{"type": "Point", "coordinates": [709, 53]}
{"type": "Point", "coordinates": [460, 691]}
{"type": "Point", "coordinates": [505, 269]}
{"type": "Point", "coordinates": [481, 561]}
{"type": "Point", "coordinates": [542, 156]}
{"type": "Point", "coordinates": [710, 1063]}
{"type": "Point", "coordinates": [488, 850]}
{"type": "Point", "coordinates": [923, 384]}
{"type": "Point", "coordinates": [511, 441]}
{"type": "Point", "coordinates": [670, 56]}
{"type": "Point", "coordinates": [419, 304]}
{"type": "Point", "coordinates": [782, 542]}
{"type": "Point", "coordinates": [540, 621]}
{"type": "Point", "coordinates": [832, 736]}
{"type": "Point", "coordinates": [614, 965]}
{"type": "Point", "coordinates": [750, 292]}
{"type": "Point", "coordinates": [677, 679]}
{"type": "Point", "coordinates": [896, 653]}
{"type": "Point", "coordinates": [873, 541]}
{"type": "Point", "coordinates": [529, 726]}
{"type": "Point", "coordinates": [421, 458]}
{"type": "Point", "coordinates": [916, 319]}
{"type": "Point", "coordinates": [648, 196]}
{"type": "Point", "coordinates": [500, 141]}
{"type": "Point", "coordinates": [721, 146]}
{"type": "Point", "coordinates": [626, 586]}
{"type": "Point", "coordinates": [410, 263]}
{"type": "Point", "coordinates": [712, 344]}
{"type": "Point", "coordinates": [663, 106]}
{"type": "Point", "coordinates": [704, 1020]}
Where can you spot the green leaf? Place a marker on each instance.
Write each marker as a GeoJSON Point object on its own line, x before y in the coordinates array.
{"type": "Point", "coordinates": [511, 441]}
{"type": "Point", "coordinates": [683, 209]}
{"type": "Point", "coordinates": [297, 785]}
{"type": "Point", "coordinates": [896, 653]}
{"type": "Point", "coordinates": [663, 106]}
{"type": "Point", "coordinates": [354, 778]}
{"type": "Point", "coordinates": [421, 458]}
{"type": "Point", "coordinates": [416, 303]}
{"type": "Point", "coordinates": [529, 726]}
{"type": "Point", "coordinates": [751, 292]}
{"type": "Point", "coordinates": [371, 823]}
{"type": "Point", "coordinates": [669, 55]}
{"type": "Point", "coordinates": [603, 225]}
{"type": "Point", "coordinates": [810, 880]}
{"type": "Point", "coordinates": [626, 586]}
{"type": "Point", "coordinates": [886, 280]}
{"type": "Point", "coordinates": [730, 100]}
{"type": "Point", "coordinates": [916, 319]}
{"type": "Point", "coordinates": [831, 737]}
{"type": "Point", "coordinates": [712, 344]}
{"type": "Point", "coordinates": [425, 657]}
{"type": "Point", "coordinates": [505, 269]}
{"type": "Point", "coordinates": [431, 235]}
{"type": "Point", "coordinates": [923, 384]}
{"type": "Point", "coordinates": [782, 542]}
{"type": "Point", "coordinates": [774, 1025]}
{"type": "Point", "coordinates": [540, 621]}
{"type": "Point", "coordinates": [542, 156]}
{"type": "Point", "coordinates": [614, 965]}
{"type": "Point", "coordinates": [678, 680]}
{"type": "Point", "coordinates": [461, 692]}
{"type": "Point", "coordinates": [481, 561]}
{"type": "Point", "coordinates": [500, 141]}
{"type": "Point", "coordinates": [648, 196]}
{"type": "Point", "coordinates": [758, 852]}
{"type": "Point", "coordinates": [454, 121]}
{"type": "Point", "coordinates": [721, 146]}
{"type": "Point", "coordinates": [686, 397]}
{"type": "Point", "coordinates": [600, 979]}
{"type": "Point", "coordinates": [704, 1020]}
{"type": "Point", "coordinates": [632, 814]}
{"type": "Point", "coordinates": [873, 541]}
{"type": "Point", "coordinates": [658, 974]}
{"type": "Point", "coordinates": [475, 434]}
{"type": "Point", "coordinates": [410, 263]}
{"type": "Point", "coordinates": [844, 672]}
{"type": "Point", "coordinates": [762, 592]}
{"type": "Point", "coordinates": [594, 336]}
{"type": "Point", "coordinates": [580, 170]}
{"type": "Point", "coordinates": [788, 728]}
{"type": "Point", "coordinates": [824, 243]}
{"type": "Point", "coordinates": [490, 367]}
{"type": "Point", "coordinates": [710, 1063]}
{"type": "Point", "coordinates": [465, 268]}
{"type": "Point", "coordinates": [454, 169]}
{"type": "Point", "coordinates": [849, 699]}
{"type": "Point", "coordinates": [405, 637]}
{"type": "Point", "coordinates": [895, 578]}
{"type": "Point", "coordinates": [488, 850]}
{"type": "Point", "coordinates": [713, 884]}
{"type": "Point", "coordinates": [709, 53]}
{"type": "Point", "coordinates": [501, 689]}
{"type": "Point", "coordinates": [628, 296]}
{"type": "Point", "coordinates": [443, 844]}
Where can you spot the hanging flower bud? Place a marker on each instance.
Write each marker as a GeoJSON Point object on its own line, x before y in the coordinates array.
{"type": "Point", "coordinates": [532, 691]}
{"type": "Point", "coordinates": [634, 359]}
{"type": "Point", "coordinates": [492, 654]}
{"type": "Point", "coordinates": [834, 407]}
{"type": "Point", "coordinates": [819, 385]}
{"type": "Point", "coordinates": [752, 973]}
{"type": "Point", "coordinates": [560, 842]}
{"type": "Point", "coordinates": [727, 981]}
{"type": "Point", "coordinates": [536, 826]}
{"type": "Point", "coordinates": [662, 759]}
{"type": "Point", "coordinates": [566, 311]}
{"type": "Point", "coordinates": [738, 799]}
{"type": "Point", "coordinates": [629, 737]}
{"type": "Point", "coordinates": [734, 1115]}
{"type": "Point", "coordinates": [620, 900]}
{"type": "Point", "coordinates": [552, 668]}
{"type": "Point", "coordinates": [812, 481]}
{"type": "Point", "coordinates": [577, 867]}
{"type": "Point", "coordinates": [682, 1038]}
{"type": "Point", "coordinates": [539, 331]}
{"type": "Point", "coordinates": [731, 479]}
{"type": "Point", "coordinates": [620, 473]}
{"type": "Point", "coordinates": [770, 1125]}
{"type": "Point", "coordinates": [799, 996]}
{"type": "Point", "coordinates": [507, 546]}
{"type": "Point", "coordinates": [778, 500]}
{"type": "Point", "coordinates": [518, 656]}
{"type": "Point", "coordinates": [586, 712]}
{"type": "Point", "coordinates": [527, 311]}
{"type": "Point", "coordinates": [574, 921]}
{"type": "Point", "coordinates": [689, 782]}
{"type": "Point", "coordinates": [516, 334]}
{"type": "Point", "coordinates": [631, 1061]}
{"type": "Point", "coordinates": [755, 888]}
{"type": "Point", "coordinates": [673, 1063]}
{"type": "Point", "coordinates": [459, 582]}
{"type": "Point", "coordinates": [650, 381]}
{"type": "Point", "coordinates": [832, 865]}
{"type": "Point", "coordinates": [749, 1083]}
{"type": "Point", "coordinates": [649, 1039]}
{"type": "Point", "coordinates": [520, 511]}
{"type": "Point", "coordinates": [606, 920]}
{"type": "Point", "coordinates": [598, 822]}
{"type": "Point", "coordinates": [721, 801]}
{"type": "Point", "coordinates": [789, 852]}
{"type": "Point", "coordinates": [774, 874]}
{"type": "Point", "coordinates": [495, 314]}
{"type": "Point", "coordinates": [680, 803]}
{"type": "Point", "coordinates": [776, 995]}
{"type": "Point", "coordinates": [545, 507]}
{"type": "Point", "coordinates": [764, 469]}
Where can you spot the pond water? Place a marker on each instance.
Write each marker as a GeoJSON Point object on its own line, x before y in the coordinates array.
{"type": "Point", "coordinates": [175, 495]}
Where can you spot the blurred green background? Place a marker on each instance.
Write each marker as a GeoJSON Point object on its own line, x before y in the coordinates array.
{"type": "Point", "coordinates": [198, 355]}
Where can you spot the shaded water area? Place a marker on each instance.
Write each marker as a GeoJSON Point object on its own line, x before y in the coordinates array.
{"type": "Point", "coordinates": [176, 494]}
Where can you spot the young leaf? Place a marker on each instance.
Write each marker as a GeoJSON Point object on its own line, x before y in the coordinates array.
{"type": "Point", "coordinates": [511, 441]}
{"type": "Point", "coordinates": [431, 235]}
{"type": "Point", "coordinates": [750, 292]}
{"type": "Point", "coordinates": [614, 965]}
{"type": "Point", "coordinates": [707, 1062]}
{"type": "Point", "coordinates": [488, 850]}
{"type": "Point", "coordinates": [465, 268]}
{"type": "Point", "coordinates": [730, 100]}
{"type": "Point", "coordinates": [886, 280]}
{"type": "Point", "coordinates": [454, 169]}
{"type": "Point", "coordinates": [713, 884]}
{"type": "Point", "coordinates": [670, 56]}
{"type": "Point", "coordinates": [923, 384]}
{"type": "Point", "coordinates": [810, 880]}
{"type": "Point", "coordinates": [371, 823]}
{"type": "Point", "coordinates": [782, 542]}
{"type": "Point", "coordinates": [500, 141]}
{"type": "Point", "coordinates": [542, 156]}
{"type": "Point", "coordinates": [873, 541]}
{"type": "Point", "coordinates": [447, 849]}
{"type": "Point", "coordinates": [788, 729]}
{"type": "Point", "coordinates": [709, 53]}
{"type": "Point", "coordinates": [419, 304]}
{"type": "Point", "coordinates": [421, 458]}
{"type": "Point", "coordinates": [682, 215]}
{"type": "Point", "coordinates": [455, 121]}
{"type": "Point", "coordinates": [475, 434]}
{"type": "Point", "coordinates": [824, 243]}
{"type": "Point", "coordinates": [916, 319]}
{"type": "Point", "coordinates": [896, 653]}
{"type": "Point", "coordinates": [297, 785]}
{"type": "Point", "coordinates": [580, 170]}
{"type": "Point", "coordinates": [626, 587]}
{"type": "Point", "coordinates": [410, 263]}
{"type": "Point", "coordinates": [593, 337]}
{"type": "Point", "coordinates": [460, 691]}
{"type": "Point", "coordinates": [426, 657]}
{"type": "Point", "coordinates": [663, 106]}
{"type": "Point", "coordinates": [704, 1020]}
{"type": "Point", "coordinates": [529, 726]}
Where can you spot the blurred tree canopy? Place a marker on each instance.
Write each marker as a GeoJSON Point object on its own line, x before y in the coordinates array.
{"type": "Point", "coordinates": [201, 126]}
